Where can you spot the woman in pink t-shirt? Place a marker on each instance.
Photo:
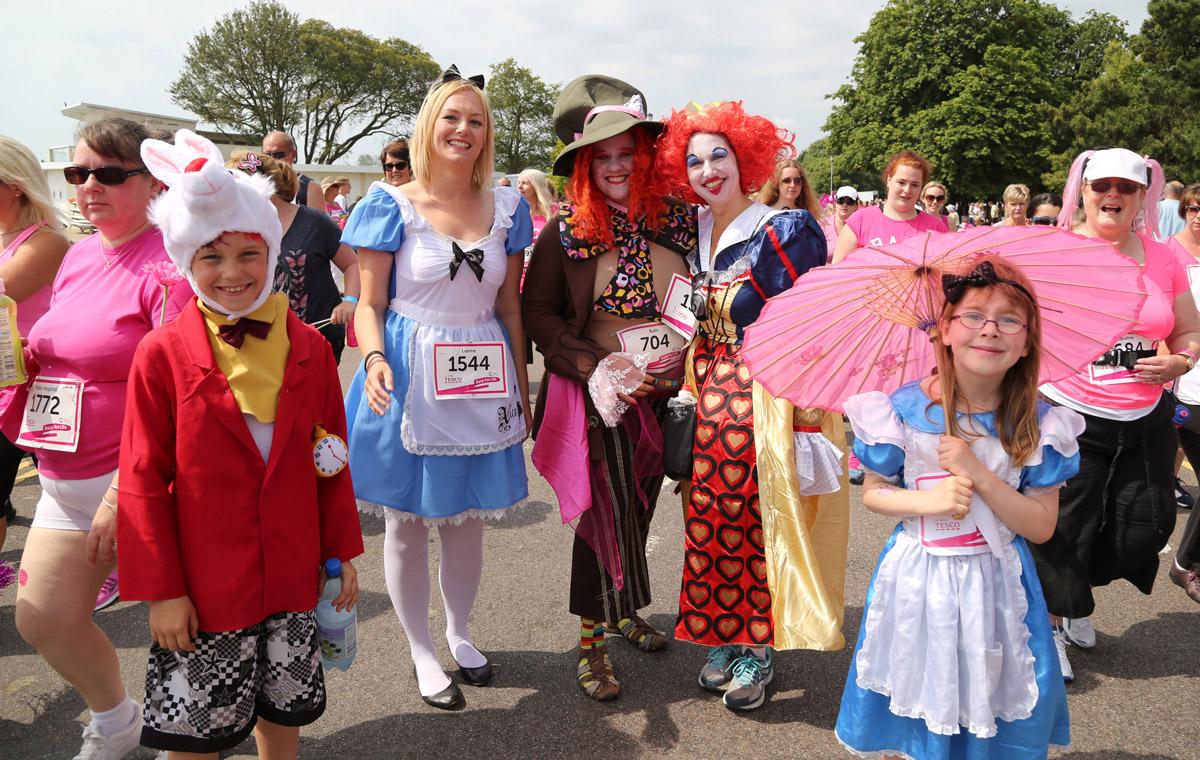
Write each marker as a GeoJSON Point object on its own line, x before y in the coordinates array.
{"type": "Point", "coordinates": [899, 218]}
{"type": "Point", "coordinates": [1119, 511]}
{"type": "Point", "coordinates": [103, 302]}
{"type": "Point", "coordinates": [31, 248]}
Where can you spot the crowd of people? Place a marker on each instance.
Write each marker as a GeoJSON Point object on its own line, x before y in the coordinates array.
{"type": "Point", "coordinates": [184, 394]}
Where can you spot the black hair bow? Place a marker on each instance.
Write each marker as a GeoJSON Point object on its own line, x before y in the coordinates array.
{"type": "Point", "coordinates": [474, 259]}
{"type": "Point", "coordinates": [451, 74]}
{"type": "Point", "coordinates": [982, 276]}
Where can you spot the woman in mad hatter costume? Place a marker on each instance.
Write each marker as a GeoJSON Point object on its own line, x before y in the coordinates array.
{"type": "Point", "coordinates": [592, 302]}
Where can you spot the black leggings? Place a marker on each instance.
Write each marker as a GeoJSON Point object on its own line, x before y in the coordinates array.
{"type": "Point", "coordinates": [10, 462]}
{"type": "Point", "coordinates": [1188, 555]}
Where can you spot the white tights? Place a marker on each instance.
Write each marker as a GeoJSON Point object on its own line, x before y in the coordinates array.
{"type": "Point", "coordinates": [406, 570]}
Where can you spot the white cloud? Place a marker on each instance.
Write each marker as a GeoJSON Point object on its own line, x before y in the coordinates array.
{"type": "Point", "coordinates": [782, 59]}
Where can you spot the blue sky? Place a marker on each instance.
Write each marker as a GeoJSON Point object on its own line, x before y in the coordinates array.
{"type": "Point", "coordinates": [782, 59]}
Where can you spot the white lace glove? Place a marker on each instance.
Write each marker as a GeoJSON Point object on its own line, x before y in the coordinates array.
{"type": "Point", "coordinates": [818, 464]}
{"type": "Point", "coordinates": [617, 373]}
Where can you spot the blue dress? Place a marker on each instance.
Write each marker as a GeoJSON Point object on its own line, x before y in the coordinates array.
{"type": "Point", "coordinates": [430, 457]}
{"type": "Point", "coordinates": [954, 657]}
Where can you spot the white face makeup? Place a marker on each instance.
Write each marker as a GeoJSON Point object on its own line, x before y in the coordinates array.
{"type": "Point", "coordinates": [612, 166]}
{"type": "Point", "coordinates": [713, 169]}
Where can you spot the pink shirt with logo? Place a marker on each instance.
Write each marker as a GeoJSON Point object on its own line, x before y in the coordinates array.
{"type": "Point", "coordinates": [1164, 276]}
{"type": "Point", "coordinates": [871, 227]}
{"type": "Point", "coordinates": [101, 306]}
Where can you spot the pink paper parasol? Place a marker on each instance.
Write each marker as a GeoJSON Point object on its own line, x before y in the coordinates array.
{"type": "Point", "coordinates": [863, 324]}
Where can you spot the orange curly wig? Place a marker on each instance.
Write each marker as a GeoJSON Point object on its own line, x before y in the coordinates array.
{"type": "Point", "coordinates": [591, 214]}
{"type": "Point", "coordinates": [757, 143]}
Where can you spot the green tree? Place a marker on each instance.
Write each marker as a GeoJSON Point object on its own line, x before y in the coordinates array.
{"type": "Point", "coordinates": [244, 73]}
{"type": "Point", "coordinates": [261, 69]}
{"type": "Point", "coordinates": [522, 106]}
{"type": "Point", "coordinates": [965, 82]}
{"type": "Point", "coordinates": [1143, 97]}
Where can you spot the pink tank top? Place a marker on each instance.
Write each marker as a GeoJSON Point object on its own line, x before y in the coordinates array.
{"type": "Point", "coordinates": [33, 307]}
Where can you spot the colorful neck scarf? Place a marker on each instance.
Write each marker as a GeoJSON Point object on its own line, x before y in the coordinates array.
{"type": "Point", "coordinates": [630, 293]}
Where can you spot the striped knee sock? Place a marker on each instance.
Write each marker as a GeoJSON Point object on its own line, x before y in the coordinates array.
{"type": "Point", "coordinates": [591, 633]}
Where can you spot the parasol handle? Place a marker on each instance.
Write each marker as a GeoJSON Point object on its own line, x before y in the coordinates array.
{"type": "Point", "coordinates": [947, 403]}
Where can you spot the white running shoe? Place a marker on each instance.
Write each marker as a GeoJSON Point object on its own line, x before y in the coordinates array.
{"type": "Point", "coordinates": [1080, 632]}
{"type": "Point", "coordinates": [1060, 644]}
{"type": "Point", "coordinates": [115, 747]}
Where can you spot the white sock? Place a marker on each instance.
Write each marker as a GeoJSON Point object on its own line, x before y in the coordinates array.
{"type": "Point", "coordinates": [406, 571]}
{"type": "Point", "coordinates": [116, 720]}
{"type": "Point", "coordinates": [459, 573]}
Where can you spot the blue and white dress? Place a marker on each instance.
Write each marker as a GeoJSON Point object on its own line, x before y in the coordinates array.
{"type": "Point", "coordinates": [954, 656]}
{"type": "Point", "coordinates": [438, 460]}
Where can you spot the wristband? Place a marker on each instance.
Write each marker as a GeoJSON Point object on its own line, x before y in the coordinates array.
{"type": "Point", "coordinates": [380, 354]}
{"type": "Point", "coordinates": [350, 299]}
{"type": "Point", "coordinates": [104, 500]}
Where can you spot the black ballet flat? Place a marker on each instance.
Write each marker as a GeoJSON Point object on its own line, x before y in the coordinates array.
{"type": "Point", "coordinates": [449, 698]}
{"type": "Point", "coordinates": [479, 676]}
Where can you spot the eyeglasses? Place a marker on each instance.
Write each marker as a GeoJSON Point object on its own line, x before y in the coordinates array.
{"type": "Point", "coordinates": [1191, 209]}
{"type": "Point", "coordinates": [105, 175]}
{"type": "Point", "coordinates": [973, 320]}
{"type": "Point", "coordinates": [399, 166]}
{"type": "Point", "coordinates": [935, 198]}
{"type": "Point", "coordinates": [1124, 186]}
{"type": "Point", "coordinates": [278, 155]}
{"type": "Point", "coordinates": [791, 181]}
{"type": "Point", "coordinates": [1045, 221]}
{"type": "Point", "coordinates": [846, 201]}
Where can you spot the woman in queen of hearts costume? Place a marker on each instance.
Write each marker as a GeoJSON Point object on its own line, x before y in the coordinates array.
{"type": "Point", "coordinates": [593, 301]}
{"type": "Point", "coordinates": [436, 414]}
{"type": "Point", "coordinates": [765, 551]}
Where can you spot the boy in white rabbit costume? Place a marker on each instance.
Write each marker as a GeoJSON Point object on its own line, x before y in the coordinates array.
{"type": "Point", "coordinates": [228, 507]}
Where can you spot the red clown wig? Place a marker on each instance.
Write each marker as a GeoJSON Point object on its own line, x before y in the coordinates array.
{"type": "Point", "coordinates": [757, 143]}
{"type": "Point", "coordinates": [591, 217]}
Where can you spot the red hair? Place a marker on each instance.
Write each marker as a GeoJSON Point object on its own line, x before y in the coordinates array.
{"type": "Point", "coordinates": [591, 215]}
{"type": "Point", "coordinates": [756, 142]}
{"type": "Point", "coordinates": [911, 159]}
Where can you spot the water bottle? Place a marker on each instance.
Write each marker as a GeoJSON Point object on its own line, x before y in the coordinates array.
{"type": "Point", "coordinates": [1182, 415]}
{"type": "Point", "coordinates": [336, 631]}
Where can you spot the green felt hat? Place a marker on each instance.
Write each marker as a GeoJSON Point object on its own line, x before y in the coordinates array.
{"type": "Point", "coordinates": [594, 108]}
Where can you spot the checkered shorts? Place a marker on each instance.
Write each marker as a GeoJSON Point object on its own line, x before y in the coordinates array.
{"type": "Point", "coordinates": [210, 699]}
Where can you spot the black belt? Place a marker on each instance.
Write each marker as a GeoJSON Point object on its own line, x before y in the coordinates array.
{"type": "Point", "coordinates": [1121, 358]}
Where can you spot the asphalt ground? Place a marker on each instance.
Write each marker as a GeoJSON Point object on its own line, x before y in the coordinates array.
{"type": "Point", "coordinates": [1134, 697]}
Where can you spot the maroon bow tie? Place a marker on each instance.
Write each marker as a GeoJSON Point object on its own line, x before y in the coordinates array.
{"type": "Point", "coordinates": [235, 334]}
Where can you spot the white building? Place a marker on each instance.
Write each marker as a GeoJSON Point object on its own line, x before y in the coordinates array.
{"type": "Point", "coordinates": [61, 156]}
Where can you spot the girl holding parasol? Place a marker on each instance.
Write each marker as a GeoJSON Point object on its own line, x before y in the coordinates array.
{"type": "Point", "coordinates": [955, 653]}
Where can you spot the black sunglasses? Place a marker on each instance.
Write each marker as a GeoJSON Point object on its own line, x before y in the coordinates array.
{"type": "Point", "coordinates": [278, 155]}
{"type": "Point", "coordinates": [791, 181]}
{"type": "Point", "coordinates": [1191, 209]}
{"type": "Point", "coordinates": [399, 166]}
{"type": "Point", "coordinates": [846, 201]}
{"type": "Point", "coordinates": [935, 198]}
{"type": "Point", "coordinates": [105, 175]}
{"type": "Point", "coordinates": [1124, 186]}
{"type": "Point", "coordinates": [1044, 221]}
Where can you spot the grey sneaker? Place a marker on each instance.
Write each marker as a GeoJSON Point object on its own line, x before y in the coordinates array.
{"type": "Point", "coordinates": [718, 670]}
{"type": "Point", "coordinates": [748, 689]}
{"type": "Point", "coordinates": [1080, 632]}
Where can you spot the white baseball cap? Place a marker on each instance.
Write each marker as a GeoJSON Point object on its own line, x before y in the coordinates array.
{"type": "Point", "coordinates": [1118, 163]}
{"type": "Point", "coordinates": [845, 191]}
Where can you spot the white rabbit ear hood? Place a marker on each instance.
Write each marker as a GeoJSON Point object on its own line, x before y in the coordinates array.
{"type": "Point", "coordinates": [204, 200]}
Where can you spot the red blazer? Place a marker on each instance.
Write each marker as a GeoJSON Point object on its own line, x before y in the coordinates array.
{"type": "Point", "coordinates": [200, 513]}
